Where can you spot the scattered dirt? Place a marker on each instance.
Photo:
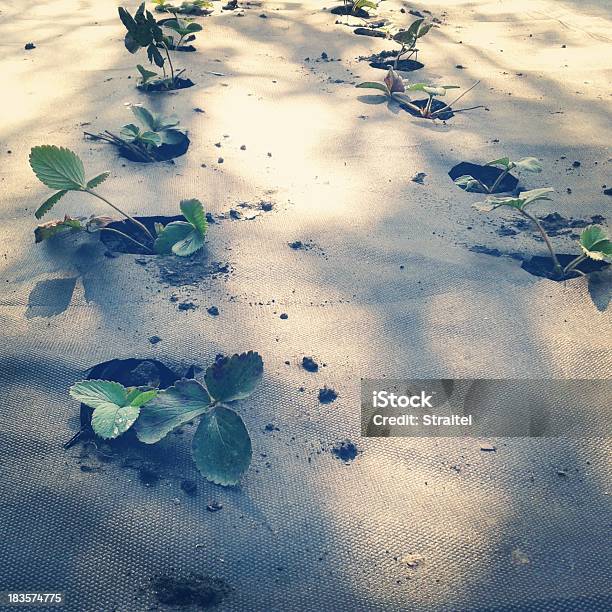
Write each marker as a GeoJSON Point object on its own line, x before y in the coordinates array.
{"type": "Point", "coordinates": [181, 271]}
{"type": "Point", "coordinates": [192, 590]}
{"type": "Point", "coordinates": [327, 395]}
{"type": "Point", "coordinates": [346, 451]}
{"type": "Point", "coordinates": [309, 364]}
{"type": "Point", "coordinates": [557, 225]}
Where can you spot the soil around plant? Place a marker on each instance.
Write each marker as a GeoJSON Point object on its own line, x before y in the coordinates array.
{"type": "Point", "coordinates": [130, 373]}
{"type": "Point", "coordinates": [164, 152]}
{"type": "Point", "coordinates": [435, 106]}
{"type": "Point", "coordinates": [348, 10]}
{"type": "Point", "coordinates": [179, 83]}
{"type": "Point", "coordinates": [405, 65]}
{"type": "Point", "coordinates": [486, 175]}
{"type": "Point", "coordinates": [543, 267]}
{"type": "Point", "coordinates": [118, 244]}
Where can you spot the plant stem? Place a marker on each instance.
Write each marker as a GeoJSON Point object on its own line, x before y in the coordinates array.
{"type": "Point", "coordinates": [427, 111]}
{"type": "Point", "coordinates": [111, 229]}
{"type": "Point", "coordinates": [455, 100]}
{"type": "Point", "coordinates": [134, 221]}
{"type": "Point", "coordinates": [397, 57]}
{"type": "Point", "coordinates": [109, 137]}
{"type": "Point", "coordinates": [499, 179]}
{"type": "Point", "coordinates": [169, 61]}
{"type": "Point", "coordinates": [572, 264]}
{"type": "Point", "coordinates": [558, 269]}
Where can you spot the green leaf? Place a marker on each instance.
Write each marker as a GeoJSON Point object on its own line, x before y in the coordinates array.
{"type": "Point", "coordinates": [194, 27]}
{"type": "Point", "coordinates": [535, 195]}
{"type": "Point", "coordinates": [97, 180]}
{"type": "Point", "coordinates": [408, 37]}
{"type": "Point", "coordinates": [189, 245]}
{"type": "Point", "coordinates": [96, 393]}
{"type": "Point", "coordinates": [529, 164]}
{"type": "Point", "coordinates": [371, 85]}
{"type": "Point", "coordinates": [115, 407]}
{"type": "Point", "coordinates": [49, 203]}
{"type": "Point", "coordinates": [221, 446]}
{"type": "Point", "coordinates": [139, 398]}
{"type": "Point", "coordinates": [595, 243]}
{"type": "Point", "coordinates": [468, 182]}
{"type": "Point", "coordinates": [57, 167]}
{"type": "Point", "coordinates": [146, 75]}
{"type": "Point", "coordinates": [171, 234]}
{"type": "Point", "coordinates": [493, 202]}
{"type": "Point", "coordinates": [151, 138]}
{"type": "Point", "coordinates": [59, 226]}
{"type": "Point", "coordinates": [187, 399]}
{"type": "Point", "coordinates": [145, 117]}
{"type": "Point", "coordinates": [503, 161]}
{"type": "Point", "coordinates": [171, 137]}
{"type": "Point", "coordinates": [424, 30]}
{"type": "Point", "coordinates": [193, 211]}
{"type": "Point", "coordinates": [130, 132]}
{"type": "Point", "coordinates": [110, 421]}
{"type": "Point", "coordinates": [432, 90]}
{"type": "Point", "coordinates": [155, 56]}
{"type": "Point", "coordinates": [234, 378]}
{"type": "Point", "coordinates": [182, 238]}
{"type": "Point", "coordinates": [126, 19]}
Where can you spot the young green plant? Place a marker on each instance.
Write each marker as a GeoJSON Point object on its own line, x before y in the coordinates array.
{"type": "Point", "coordinates": [221, 446]}
{"type": "Point", "coordinates": [185, 29]}
{"type": "Point", "coordinates": [143, 32]}
{"type": "Point", "coordinates": [144, 142]}
{"type": "Point", "coordinates": [407, 39]}
{"type": "Point", "coordinates": [594, 240]}
{"type": "Point", "coordinates": [527, 164]}
{"type": "Point", "coordinates": [194, 7]}
{"type": "Point", "coordinates": [62, 169]}
{"type": "Point", "coordinates": [394, 87]}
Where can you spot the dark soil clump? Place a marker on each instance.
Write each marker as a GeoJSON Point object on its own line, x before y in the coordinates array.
{"type": "Point", "coordinates": [309, 364]}
{"type": "Point", "coordinates": [346, 451]}
{"type": "Point", "coordinates": [327, 395]}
